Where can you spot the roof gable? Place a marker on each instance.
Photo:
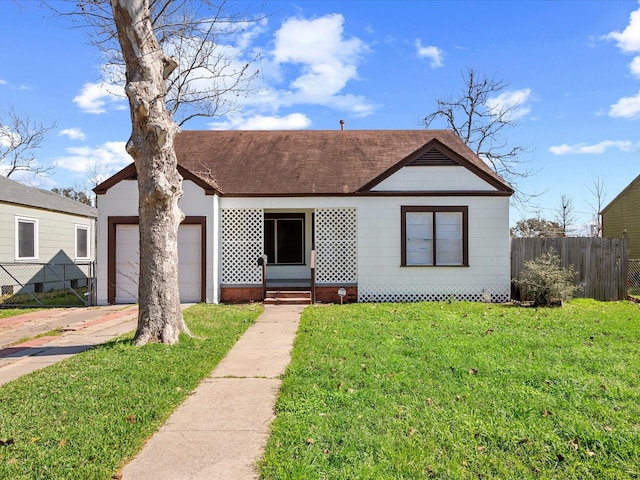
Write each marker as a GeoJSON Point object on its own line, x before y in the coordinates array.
{"type": "Point", "coordinates": [437, 154]}
{"type": "Point", "coordinates": [622, 194]}
{"type": "Point", "coordinates": [431, 157]}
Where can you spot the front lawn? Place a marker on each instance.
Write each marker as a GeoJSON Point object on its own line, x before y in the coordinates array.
{"type": "Point", "coordinates": [461, 391]}
{"type": "Point", "coordinates": [85, 417]}
{"type": "Point", "coordinates": [52, 298]}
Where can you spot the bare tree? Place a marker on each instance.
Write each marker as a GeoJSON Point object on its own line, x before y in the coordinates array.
{"type": "Point", "coordinates": [536, 227]}
{"type": "Point", "coordinates": [174, 67]}
{"type": "Point", "coordinates": [95, 174]}
{"type": "Point", "coordinates": [76, 194]}
{"type": "Point", "coordinates": [599, 197]}
{"type": "Point", "coordinates": [480, 122]}
{"type": "Point", "coordinates": [159, 184]}
{"type": "Point", "coordinates": [564, 214]}
{"type": "Point", "coordinates": [209, 77]}
{"type": "Point", "coordinates": [20, 137]}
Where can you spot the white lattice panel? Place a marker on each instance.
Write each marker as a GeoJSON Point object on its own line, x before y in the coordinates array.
{"type": "Point", "coordinates": [336, 231]}
{"type": "Point", "coordinates": [418, 293]}
{"type": "Point", "coordinates": [242, 243]}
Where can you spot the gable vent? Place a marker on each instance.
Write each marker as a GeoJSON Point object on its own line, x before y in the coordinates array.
{"type": "Point", "coordinates": [432, 158]}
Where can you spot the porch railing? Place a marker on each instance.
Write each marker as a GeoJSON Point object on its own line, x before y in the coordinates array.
{"type": "Point", "coordinates": [263, 262]}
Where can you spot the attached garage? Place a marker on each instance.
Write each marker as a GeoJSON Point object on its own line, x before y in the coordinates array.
{"type": "Point", "coordinates": [124, 257]}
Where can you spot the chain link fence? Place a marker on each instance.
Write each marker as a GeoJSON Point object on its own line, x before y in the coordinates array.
{"type": "Point", "coordinates": [633, 277]}
{"type": "Point", "coordinates": [46, 284]}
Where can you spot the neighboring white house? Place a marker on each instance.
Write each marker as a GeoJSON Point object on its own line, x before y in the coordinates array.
{"type": "Point", "coordinates": [388, 215]}
{"type": "Point", "coordinates": [39, 228]}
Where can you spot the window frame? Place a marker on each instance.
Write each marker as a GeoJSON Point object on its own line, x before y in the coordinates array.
{"type": "Point", "coordinates": [87, 230]}
{"type": "Point", "coordinates": [35, 222]}
{"type": "Point", "coordinates": [286, 216]}
{"type": "Point", "coordinates": [464, 210]}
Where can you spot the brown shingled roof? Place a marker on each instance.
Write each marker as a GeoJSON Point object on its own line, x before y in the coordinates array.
{"type": "Point", "coordinates": [312, 162]}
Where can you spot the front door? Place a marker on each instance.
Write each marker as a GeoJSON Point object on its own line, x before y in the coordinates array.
{"type": "Point", "coordinates": [284, 238]}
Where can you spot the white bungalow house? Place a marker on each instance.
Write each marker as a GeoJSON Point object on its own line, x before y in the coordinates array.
{"type": "Point", "coordinates": [47, 241]}
{"type": "Point", "coordinates": [387, 215]}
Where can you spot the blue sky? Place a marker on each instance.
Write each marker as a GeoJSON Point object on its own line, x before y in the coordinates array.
{"type": "Point", "coordinates": [574, 66]}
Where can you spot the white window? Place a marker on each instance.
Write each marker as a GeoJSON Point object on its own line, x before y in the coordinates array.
{"type": "Point", "coordinates": [83, 249]}
{"type": "Point", "coordinates": [26, 238]}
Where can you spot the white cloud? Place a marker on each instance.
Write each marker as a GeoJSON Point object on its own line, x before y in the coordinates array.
{"type": "Point", "coordinates": [327, 61]}
{"type": "Point", "coordinates": [31, 179]}
{"type": "Point", "coordinates": [248, 32]}
{"type": "Point", "coordinates": [308, 62]}
{"type": "Point", "coordinates": [94, 97]}
{"type": "Point", "coordinates": [634, 66]}
{"type": "Point", "coordinates": [513, 102]}
{"type": "Point", "coordinates": [626, 107]}
{"type": "Point", "coordinates": [108, 156]}
{"type": "Point", "coordinates": [319, 41]}
{"type": "Point", "coordinates": [294, 121]}
{"type": "Point", "coordinates": [73, 133]}
{"type": "Point", "coordinates": [8, 136]}
{"type": "Point", "coordinates": [629, 39]}
{"type": "Point", "coordinates": [430, 52]}
{"type": "Point", "coordinates": [3, 82]}
{"type": "Point", "coordinates": [629, 42]}
{"type": "Point", "coordinates": [595, 149]}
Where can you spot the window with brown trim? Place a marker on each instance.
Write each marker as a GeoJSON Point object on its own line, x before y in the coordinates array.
{"type": "Point", "coordinates": [434, 236]}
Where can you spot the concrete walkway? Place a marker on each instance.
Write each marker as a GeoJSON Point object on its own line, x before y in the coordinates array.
{"type": "Point", "coordinates": [220, 431]}
{"type": "Point", "coordinates": [80, 329]}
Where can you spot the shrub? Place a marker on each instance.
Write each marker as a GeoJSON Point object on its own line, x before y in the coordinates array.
{"type": "Point", "coordinates": [545, 281]}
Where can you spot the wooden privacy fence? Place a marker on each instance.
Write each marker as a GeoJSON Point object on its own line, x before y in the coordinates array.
{"type": "Point", "coordinates": [600, 264]}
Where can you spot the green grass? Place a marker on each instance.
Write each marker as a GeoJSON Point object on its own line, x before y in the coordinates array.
{"type": "Point", "coordinates": [461, 391]}
{"type": "Point", "coordinates": [52, 298]}
{"type": "Point", "coordinates": [85, 417]}
{"type": "Point", "coordinates": [12, 312]}
{"type": "Point", "coordinates": [56, 332]}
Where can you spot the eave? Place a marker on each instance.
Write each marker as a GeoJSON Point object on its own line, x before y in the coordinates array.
{"type": "Point", "coordinates": [130, 173]}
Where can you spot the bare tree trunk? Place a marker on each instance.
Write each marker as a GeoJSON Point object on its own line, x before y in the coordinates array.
{"type": "Point", "coordinates": [159, 183]}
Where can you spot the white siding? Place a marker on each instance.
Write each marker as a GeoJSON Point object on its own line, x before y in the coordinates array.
{"type": "Point", "coordinates": [412, 179]}
{"type": "Point", "coordinates": [379, 243]}
{"type": "Point", "coordinates": [122, 200]}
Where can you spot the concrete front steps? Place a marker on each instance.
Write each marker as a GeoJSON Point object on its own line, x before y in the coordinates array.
{"type": "Point", "coordinates": [288, 297]}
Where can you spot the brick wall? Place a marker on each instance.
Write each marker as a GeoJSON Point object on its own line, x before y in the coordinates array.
{"type": "Point", "coordinates": [241, 295]}
{"type": "Point", "coordinates": [330, 295]}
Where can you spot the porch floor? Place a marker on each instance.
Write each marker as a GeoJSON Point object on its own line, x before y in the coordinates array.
{"type": "Point", "coordinates": [289, 284]}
